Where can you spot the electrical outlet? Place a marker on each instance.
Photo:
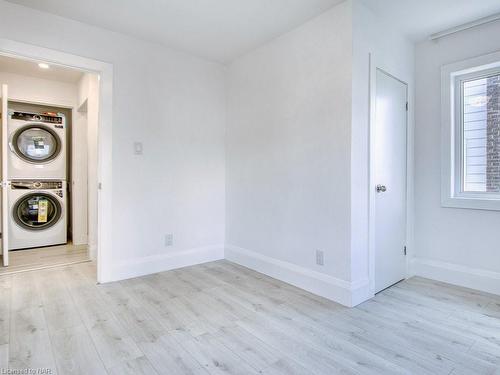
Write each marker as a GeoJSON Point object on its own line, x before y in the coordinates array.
{"type": "Point", "coordinates": [169, 239]}
{"type": "Point", "coordinates": [320, 258]}
{"type": "Point", "coordinates": [138, 148]}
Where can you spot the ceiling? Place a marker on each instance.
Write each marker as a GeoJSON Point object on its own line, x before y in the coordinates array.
{"type": "Point", "coordinates": [222, 30]}
{"type": "Point", "coordinates": [219, 30]}
{"type": "Point", "coordinates": [31, 68]}
{"type": "Point", "coordinates": [418, 19]}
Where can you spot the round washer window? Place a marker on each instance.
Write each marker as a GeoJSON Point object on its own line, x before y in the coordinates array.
{"type": "Point", "coordinates": [37, 211]}
{"type": "Point", "coordinates": [36, 143]}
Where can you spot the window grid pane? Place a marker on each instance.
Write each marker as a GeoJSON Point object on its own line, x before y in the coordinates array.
{"type": "Point", "coordinates": [481, 135]}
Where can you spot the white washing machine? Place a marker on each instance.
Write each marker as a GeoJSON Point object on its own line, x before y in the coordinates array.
{"type": "Point", "coordinates": [37, 145]}
{"type": "Point", "coordinates": [38, 212]}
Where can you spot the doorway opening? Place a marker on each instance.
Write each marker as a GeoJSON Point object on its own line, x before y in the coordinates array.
{"type": "Point", "coordinates": [49, 157]}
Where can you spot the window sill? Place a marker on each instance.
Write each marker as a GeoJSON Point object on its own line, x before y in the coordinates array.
{"type": "Point", "coordinates": [471, 203]}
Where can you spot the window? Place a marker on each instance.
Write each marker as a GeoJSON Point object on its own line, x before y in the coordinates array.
{"type": "Point", "coordinates": [471, 133]}
{"type": "Point", "coordinates": [480, 125]}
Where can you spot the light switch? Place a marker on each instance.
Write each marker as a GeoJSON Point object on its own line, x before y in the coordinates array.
{"type": "Point", "coordinates": [169, 239]}
{"type": "Point", "coordinates": [138, 148]}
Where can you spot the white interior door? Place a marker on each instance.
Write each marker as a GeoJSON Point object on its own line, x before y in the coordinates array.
{"type": "Point", "coordinates": [390, 179]}
{"type": "Point", "coordinates": [5, 186]}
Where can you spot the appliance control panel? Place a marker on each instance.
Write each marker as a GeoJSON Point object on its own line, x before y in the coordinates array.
{"type": "Point", "coordinates": [51, 118]}
{"type": "Point", "coordinates": [36, 185]}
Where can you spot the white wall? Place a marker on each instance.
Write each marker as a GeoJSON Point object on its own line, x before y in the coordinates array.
{"type": "Point", "coordinates": [288, 135]}
{"type": "Point", "coordinates": [92, 85]}
{"type": "Point", "coordinates": [394, 54]}
{"type": "Point", "coordinates": [79, 180]}
{"type": "Point", "coordinates": [84, 163]}
{"type": "Point", "coordinates": [175, 105]}
{"type": "Point", "coordinates": [298, 150]}
{"type": "Point", "coordinates": [92, 98]}
{"type": "Point", "coordinates": [455, 245]}
{"type": "Point", "coordinates": [40, 91]}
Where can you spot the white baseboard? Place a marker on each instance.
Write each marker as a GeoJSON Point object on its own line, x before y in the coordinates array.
{"type": "Point", "coordinates": [164, 262]}
{"type": "Point", "coordinates": [92, 250]}
{"type": "Point", "coordinates": [473, 278]}
{"type": "Point", "coordinates": [341, 291]}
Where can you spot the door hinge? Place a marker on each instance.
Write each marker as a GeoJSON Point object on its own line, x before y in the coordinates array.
{"type": "Point", "coordinates": [407, 106]}
{"type": "Point", "coordinates": [404, 250]}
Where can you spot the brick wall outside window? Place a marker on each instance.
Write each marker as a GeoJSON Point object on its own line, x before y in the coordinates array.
{"type": "Point", "coordinates": [493, 135]}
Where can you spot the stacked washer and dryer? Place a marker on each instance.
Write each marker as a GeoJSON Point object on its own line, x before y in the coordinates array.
{"type": "Point", "coordinates": [37, 169]}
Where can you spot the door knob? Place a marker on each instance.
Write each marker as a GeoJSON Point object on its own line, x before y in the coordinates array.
{"type": "Point", "coordinates": [381, 188]}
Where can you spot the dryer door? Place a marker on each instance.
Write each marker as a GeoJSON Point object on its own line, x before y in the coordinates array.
{"type": "Point", "coordinates": [37, 211]}
{"type": "Point", "coordinates": [36, 143]}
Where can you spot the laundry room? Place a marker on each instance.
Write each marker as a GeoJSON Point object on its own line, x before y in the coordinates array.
{"type": "Point", "coordinates": [49, 164]}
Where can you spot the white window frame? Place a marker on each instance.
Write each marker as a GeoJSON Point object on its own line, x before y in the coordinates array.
{"type": "Point", "coordinates": [452, 194]}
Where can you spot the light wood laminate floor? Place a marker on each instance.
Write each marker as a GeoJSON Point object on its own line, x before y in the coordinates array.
{"type": "Point", "coordinates": [44, 257]}
{"type": "Point", "coordinates": [220, 318]}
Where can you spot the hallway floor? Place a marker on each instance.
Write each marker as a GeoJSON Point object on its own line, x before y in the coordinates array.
{"type": "Point", "coordinates": [44, 257]}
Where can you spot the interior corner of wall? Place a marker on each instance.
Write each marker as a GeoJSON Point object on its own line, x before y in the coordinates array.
{"type": "Point", "coordinates": [360, 292]}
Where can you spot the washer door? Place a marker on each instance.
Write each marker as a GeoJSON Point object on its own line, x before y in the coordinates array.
{"type": "Point", "coordinates": [36, 143]}
{"type": "Point", "coordinates": [37, 211]}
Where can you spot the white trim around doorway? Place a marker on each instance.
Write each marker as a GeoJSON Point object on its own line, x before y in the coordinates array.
{"type": "Point", "coordinates": [104, 165]}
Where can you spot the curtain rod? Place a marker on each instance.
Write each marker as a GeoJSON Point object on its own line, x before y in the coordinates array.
{"type": "Point", "coordinates": [465, 26]}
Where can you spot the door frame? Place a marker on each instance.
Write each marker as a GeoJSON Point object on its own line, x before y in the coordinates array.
{"type": "Point", "coordinates": [5, 186]}
{"type": "Point", "coordinates": [104, 71]}
{"type": "Point", "coordinates": [375, 65]}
